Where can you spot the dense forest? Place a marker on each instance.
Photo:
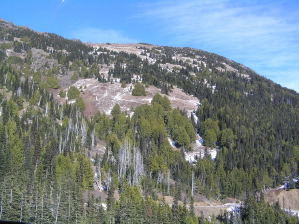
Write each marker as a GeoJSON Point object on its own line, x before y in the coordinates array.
{"type": "Point", "coordinates": [48, 172]}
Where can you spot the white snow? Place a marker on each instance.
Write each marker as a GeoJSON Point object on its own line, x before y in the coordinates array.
{"type": "Point", "coordinates": [192, 157]}
{"type": "Point", "coordinates": [199, 140]}
{"type": "Point", "coordinates": [281, 187]}
{"type": "Point", "coordinates": [292, 212]}
{"type": "Point", "coordinates": [195, 118]}
{"type": "Point", "coordinates": [233, 207]}
{"type": "Point", "coordinates": [171, 142]}
{"type": "Point", "coordinates": [213, 153]}
{"type": "Point", "coordinates": [71, 101]}
{"type": "Point", "coordinates": [104, 205]}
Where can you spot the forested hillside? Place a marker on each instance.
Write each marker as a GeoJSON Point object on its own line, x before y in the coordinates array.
{"type": "Point", "coordinates": [51, 170]}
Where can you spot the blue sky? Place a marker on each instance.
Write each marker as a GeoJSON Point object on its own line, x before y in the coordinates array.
{"type": "Point", "coordinates": [263, 35]}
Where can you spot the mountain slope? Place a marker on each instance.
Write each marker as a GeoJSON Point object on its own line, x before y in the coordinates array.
{"type": "Point", "coordinates": [47, 143]}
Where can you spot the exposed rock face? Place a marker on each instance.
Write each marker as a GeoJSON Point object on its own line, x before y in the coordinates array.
{"type": "Point", "coordinates": [40, 60]}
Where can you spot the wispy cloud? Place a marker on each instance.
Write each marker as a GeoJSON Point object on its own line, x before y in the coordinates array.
{"type": "Point", "coordinates": [260, 34]}
{"type": "Point", "coordinates": [97, 35]}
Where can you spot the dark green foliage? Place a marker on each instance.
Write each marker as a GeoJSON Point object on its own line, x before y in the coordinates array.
{"type": "Point", "coordinates": [80, 104]}
{"type": "Point", "coordinates": [139, 90]}
{"type": "Point", "coordinates": [131, 206]}
{"type": "Point", "coordinates": [123, 84]}
{"type": "Point", "coordinates": [73, 93]}
{"type": "Point", "coordinates": [113, 143]}
{"type": "Point", "coordinates": [163, 101]}
{"type": "Point", "coordinates": [52, 82]}
{"type": "Point", "coordinates": [227, 138]}
{"type": "Point", "coordinates": [2, 55]}
{"type": "Point", "coordinates": [157, 99]}
{"type": "Point", "coordinates": [62, 94]}
{"type": "Point", "coordinates": [116, 110]}
{"type": "Point", "coordinates": [42, 172]}
{"type": "Point", "coordinates": [14, 60]}
{"type": "Point", "coordinates": [210, 138]}
{"type": "Point", "coordinates": [180, 127]}
{"type": "Point", "coordinates": [181, 137]}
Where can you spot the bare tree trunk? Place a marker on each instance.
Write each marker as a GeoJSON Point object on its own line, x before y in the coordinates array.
{"type": "Point", "coordinates": [40, 98]}
{"type": "Point", "coordinates": [60, 143]}
{"type": "Point", "coordinates": [36, 205]}
{"type": "Point", "coordinates": [57, 207]}
{"type": "Point", "coordinates": [83, 132]}
{"type": "Point", "coordinates": [138, 166]}
{"type": "Point", "coordinates": [46, 109]}
{"type": "Point", "coordinates": [192, 184]}
{"type": "Point", "coordinates": [10, 196]}
{"type": "Point", "coordinates": [1, 208]}
{"type": "Point", "coordinates": [71, 144]}
{"type": "Point", "coordinates": [124, 159]}
{"type": "Point", "coordinates": [168, 182]}
{"type": "Point", "coordinates": [61, 113]}
{"type": "Point", "coordinates": [42, 213]}
{"type": "Point", "coordinates": [51, 191]}
{"type": "Point", "coordinates": [5, 79]}
{"type": "Point", "coordinates": [69, 207]}
{"type": "Point", "coordinates": [21, 208]}
{"type": "Point", "coordinates": [99, 174]}
{"type": "Point", "coordinates": [92, 139]}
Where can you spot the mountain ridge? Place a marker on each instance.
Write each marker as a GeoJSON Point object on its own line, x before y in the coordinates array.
{"type": "Point", "coordinates": [107, 45]}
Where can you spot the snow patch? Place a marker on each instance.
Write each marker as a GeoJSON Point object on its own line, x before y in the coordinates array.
{"type": "Point", "coordinates": [233, 207]}
{"type": "Point", "coordinates": [71, 101]}
{"type": "Point", "coordinates": [199, 140]}
{"type": "Point", "coordinates": [171, 142]}
{"type": "Point", "coordinates": [195, 118]}
{"type": "Point", "coordinates": [213, 153]}
{"type": "Point", "coordinates": [281, 187]}
{"type": "Point", "coordinates": [292, 212]}
{"type": "Point", "coordinates": [192, 157]}
{"type": "Point", "coordinates": [104, 205]}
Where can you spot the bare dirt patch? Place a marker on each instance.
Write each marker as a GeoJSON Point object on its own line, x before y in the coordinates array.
{"type": "Point", "coordinates": [204, 206]}
{"type": "Point", "coordinates": [103, 96]}
{"type": "Point", "coordinates": [129, 48]}
{"type": "Point", "coordinates": [287, 199]}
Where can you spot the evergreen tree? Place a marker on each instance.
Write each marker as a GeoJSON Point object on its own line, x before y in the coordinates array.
{"type": "Point", "coordinates": [139, 90]}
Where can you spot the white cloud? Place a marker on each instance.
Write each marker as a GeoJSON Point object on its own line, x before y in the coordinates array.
{"type": "Point", "coordinates": [261, 34]}
{"type": "Point", "coordinates": [97, 35]}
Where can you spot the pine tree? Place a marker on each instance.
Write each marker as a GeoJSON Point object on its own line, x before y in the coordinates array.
{"type": "Point", "coordinates": [175, 205]}
{"type": "Point", "coordinates": [15, 148]}
{"type": "Point", "coordinates": [139, 90]}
